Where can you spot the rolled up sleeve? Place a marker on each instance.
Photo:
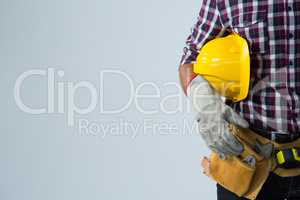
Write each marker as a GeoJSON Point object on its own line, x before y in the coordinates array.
{"type": "Point", "coordinates": [208, 26]}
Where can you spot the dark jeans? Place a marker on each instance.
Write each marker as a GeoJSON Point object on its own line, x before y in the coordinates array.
{"type": "Point", "coordinates": [275, 188]}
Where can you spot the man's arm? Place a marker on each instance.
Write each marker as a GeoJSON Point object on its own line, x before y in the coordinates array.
{"type": "Point", "coordinates": [213, 116]}
{"type": "Point", "coordinates": [186, 75]}
{"type": "Point", "coordinates": [207, 27]}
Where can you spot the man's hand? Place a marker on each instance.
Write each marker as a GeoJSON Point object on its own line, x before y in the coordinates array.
{"type": "Point", "coordinates": [214, 117]}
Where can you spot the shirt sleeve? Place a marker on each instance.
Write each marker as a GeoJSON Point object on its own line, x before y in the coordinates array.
{"type": "Point", "coordinates": [207, 27]}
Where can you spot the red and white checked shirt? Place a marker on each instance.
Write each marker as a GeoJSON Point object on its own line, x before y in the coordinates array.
{"type": "Point", "coordinates": [272, 29]}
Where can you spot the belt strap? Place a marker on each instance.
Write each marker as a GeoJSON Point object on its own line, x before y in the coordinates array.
{"type": "Point", "coordinates": [251, 137]}
{"type": "Point", "coordinates": [277, 137]}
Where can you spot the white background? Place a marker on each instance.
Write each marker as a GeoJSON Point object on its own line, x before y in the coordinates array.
{"type": "Point", "coordinates": [41, 157]}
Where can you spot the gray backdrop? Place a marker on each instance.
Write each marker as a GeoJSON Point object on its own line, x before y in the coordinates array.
{"type": "Point", "coordinates": [42, 156]}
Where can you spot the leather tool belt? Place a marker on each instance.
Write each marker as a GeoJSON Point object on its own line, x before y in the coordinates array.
{"type": "Point", "coordinates": [245, 174]}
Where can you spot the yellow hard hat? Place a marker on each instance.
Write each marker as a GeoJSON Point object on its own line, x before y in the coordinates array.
{"type": "Point", "coordinates": [225, 63]}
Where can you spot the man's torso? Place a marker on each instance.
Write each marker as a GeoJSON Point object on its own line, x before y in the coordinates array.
{"type": "Point", "coordinates": [272, 29]}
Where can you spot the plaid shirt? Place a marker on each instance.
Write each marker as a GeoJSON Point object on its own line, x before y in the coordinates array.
{"type": "Point", "coordinates": [272, 29]}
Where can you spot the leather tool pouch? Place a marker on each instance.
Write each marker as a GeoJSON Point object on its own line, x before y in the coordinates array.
{"type": "Point", "coordinates": [235, 174]}
{"type": "Point", "coordinates": [232, 173]}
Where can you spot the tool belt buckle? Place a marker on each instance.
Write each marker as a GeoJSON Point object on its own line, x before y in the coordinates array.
{"type": "Point", "coordinates": [288, 158]}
